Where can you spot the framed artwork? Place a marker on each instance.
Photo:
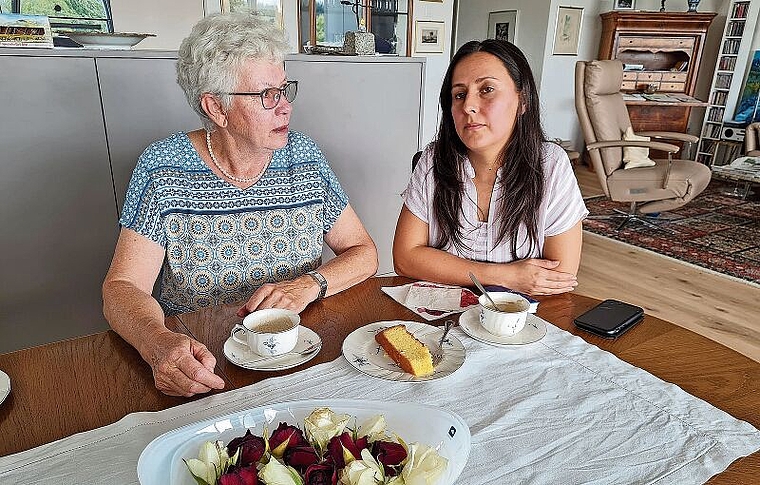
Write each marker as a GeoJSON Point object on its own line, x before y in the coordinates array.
{"type": "Point", "coordinates": [568, 32]}
{"type": "Point", "coordinates": [428, 36]}
{"type": "Point", "coordinates": [624, 4]}
{"type": "Point", "coordinates": [503, 25]}
{"type": "Point", "coordinates": [747, 110]}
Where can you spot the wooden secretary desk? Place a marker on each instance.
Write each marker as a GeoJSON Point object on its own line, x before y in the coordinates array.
{"type": "Point", "coordinates": [659, 48]}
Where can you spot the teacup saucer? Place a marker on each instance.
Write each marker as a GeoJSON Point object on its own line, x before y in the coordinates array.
{"type": "Point", "coordinates": [242, 356]}
{"type": "Point", "coordinates": [534, 330]}
{"type": "Point", "coordinates": [5, 386]}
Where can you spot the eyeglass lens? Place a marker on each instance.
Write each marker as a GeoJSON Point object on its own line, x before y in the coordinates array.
{"type": "Point", "coordinates": [270, 97]}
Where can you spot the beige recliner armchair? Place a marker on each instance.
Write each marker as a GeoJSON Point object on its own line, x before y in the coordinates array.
{"type": "Point", "coordinates": [751, 140]}
{"type": "Point", "coordinates": [604, 118]}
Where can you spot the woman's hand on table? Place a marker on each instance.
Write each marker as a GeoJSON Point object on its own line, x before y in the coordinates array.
{"type": "Point", "coordinates": [538, 277]}
{"type": "Point", "coordinates": [292, 295]}
{"type": "Point", "coordinates": [182, 366]}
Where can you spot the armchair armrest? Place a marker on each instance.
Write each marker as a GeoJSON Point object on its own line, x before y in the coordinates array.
{"type": "Point", "coordinates": [750, 139]}
{"type": "Point", "coordinates": [670, 135]}
{"type": "Point", "coordinates": [654, 145]}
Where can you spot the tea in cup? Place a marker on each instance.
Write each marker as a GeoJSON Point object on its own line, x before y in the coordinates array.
{"type": "Point", "coordinates": [508, 318]}
{"type": "Point", "coordinates": [269, 332]}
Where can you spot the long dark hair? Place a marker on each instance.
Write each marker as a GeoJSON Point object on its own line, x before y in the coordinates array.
{"type": "Point", "coordinates": [522, 174]}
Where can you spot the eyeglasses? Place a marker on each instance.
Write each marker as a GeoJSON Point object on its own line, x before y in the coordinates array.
{"type": "Point", "coordinates": [270, 97]}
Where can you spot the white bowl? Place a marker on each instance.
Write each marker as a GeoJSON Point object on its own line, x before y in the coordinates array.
{"type": "Point", "coordinates": [107, 40]}
{"type": "Point", "coordinates": [160, 463]}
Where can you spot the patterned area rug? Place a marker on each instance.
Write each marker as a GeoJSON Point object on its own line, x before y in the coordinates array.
{"type": "Point", "coordinates": [715, 231]}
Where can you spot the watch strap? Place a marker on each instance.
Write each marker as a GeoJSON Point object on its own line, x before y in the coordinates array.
{"type": "Point", "coordinates": [321, 281]}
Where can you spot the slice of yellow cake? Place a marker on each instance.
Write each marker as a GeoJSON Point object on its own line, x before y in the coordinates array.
{"type": "Point", "coordinates": [409, 353]}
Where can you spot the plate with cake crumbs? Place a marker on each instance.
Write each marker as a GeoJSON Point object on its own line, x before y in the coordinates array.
{"type": "Point", "coordinates": [365, 353]}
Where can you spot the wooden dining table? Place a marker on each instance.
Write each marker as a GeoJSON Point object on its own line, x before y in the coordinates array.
{"type": "Point", "coordinates": [84, 383]}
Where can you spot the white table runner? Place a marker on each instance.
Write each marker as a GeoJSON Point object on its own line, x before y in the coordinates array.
{"type": "Point", "coordinates": [556, 411]}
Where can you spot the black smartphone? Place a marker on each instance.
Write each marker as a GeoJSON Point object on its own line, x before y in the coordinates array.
{"type": "Point", "coordinates": [610, 318]}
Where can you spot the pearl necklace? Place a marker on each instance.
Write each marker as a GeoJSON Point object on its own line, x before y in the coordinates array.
{"type": "Point", "coordinates": [227, 174]}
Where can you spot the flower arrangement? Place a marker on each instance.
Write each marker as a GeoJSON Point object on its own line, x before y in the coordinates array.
{"type": "Point", "coordinates": [325, 452]}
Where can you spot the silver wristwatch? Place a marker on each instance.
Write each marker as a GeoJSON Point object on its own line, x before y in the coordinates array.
{"type": "Point", "coordinates": [321, 281]}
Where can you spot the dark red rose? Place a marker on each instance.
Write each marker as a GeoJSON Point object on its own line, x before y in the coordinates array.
{"type": "Point", "coordinates": [252, 448]}
{"type": "Point", "coordinates": [345, 440]}
{"type": "Point", "coordinates": [246, 475]}
{"type": "Point", "coordinates": [321, 474]}
{"type": "Point", "coordinates": [286, 432]}
{"type": "Point", "coordinates": [390, 454]}
{"type": "Point", "coordinates": [300, 457]}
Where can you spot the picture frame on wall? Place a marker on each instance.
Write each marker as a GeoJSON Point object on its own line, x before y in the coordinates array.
{"type": "Point", "coordinates": [502, 25]}
{"type": "Point", "coordinates": [567, 35]}
{"type": "Point", "coordinates": [428, 37]}
{"type": "Point", "coordinates": [624, 4]}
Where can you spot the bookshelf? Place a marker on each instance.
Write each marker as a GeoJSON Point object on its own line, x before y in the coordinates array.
{"type": "Point", "coordinates": [733, 56]}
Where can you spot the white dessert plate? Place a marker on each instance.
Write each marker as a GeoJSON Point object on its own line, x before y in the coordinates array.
{"type": "Point", "coordinates": [106, 40]}
{"type": "Point", "coordinates": [161, 463]}
{"type": "Point", "coordinates": [362, 351]}
{"type": "Point", "coordinates": [242, 356]}
{"type": "Point", "coordinates": [5, 386]}
{"type": "Point", "coordinates": [534, 330]}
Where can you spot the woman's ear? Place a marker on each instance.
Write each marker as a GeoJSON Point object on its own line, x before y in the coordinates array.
{"type": "Point", "coordinates": [523, 104]}
{"type": "Point", "coordinates": [213, 109]}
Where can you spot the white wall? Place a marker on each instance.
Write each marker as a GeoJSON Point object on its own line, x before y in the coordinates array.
{"type": "Point", "coordinates": [170, 20]}
{"type": "Point", "coordinates": [436, 64]}
{"type": "Point", "coordinates": [472, 24]}
{"type": "Point", "coordinates": [557, 78]}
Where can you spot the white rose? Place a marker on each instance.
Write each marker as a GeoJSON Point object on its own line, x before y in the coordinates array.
{"type": "Point", "coordinates": [424, 466]}
{"type": "Point", "coordinates": [373, 428]}
{"type": "Point", "coordinates": [211, 462]}
{"type": "Point", "coordinates": [366, 471]}
{"type": "Point", "coordinates": [322, 424]}
{"type": "Point", "coordinates": [275, 473]}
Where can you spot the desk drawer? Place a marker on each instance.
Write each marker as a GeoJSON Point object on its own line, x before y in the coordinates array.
{"type": "Point", "coordinates": [656, 42]}
{"type": "Point", "coordinates": [628, 86]}
{"type": "Point", "coordinates": [674, 77]}
{"type": "Point", "coordinates": [649, 76]}
{"type": "Point", "coordinates": [673, 87]}
{"type": "Point", "coordinates": [629, 76]}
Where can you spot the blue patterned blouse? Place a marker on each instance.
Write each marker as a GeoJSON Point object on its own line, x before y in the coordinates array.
{"type": "Point", "coordinates": [223, 242]}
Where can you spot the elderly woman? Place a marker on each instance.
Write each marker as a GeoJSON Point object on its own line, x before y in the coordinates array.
{"type": "Point", "coordinates": [235, 212]}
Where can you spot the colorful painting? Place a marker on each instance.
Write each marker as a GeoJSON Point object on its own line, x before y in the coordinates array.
{"type": "Point", "coordinates": [747, 111]}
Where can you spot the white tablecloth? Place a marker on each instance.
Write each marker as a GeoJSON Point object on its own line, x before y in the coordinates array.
{"type": "Point", "coordinates": [556, 411]}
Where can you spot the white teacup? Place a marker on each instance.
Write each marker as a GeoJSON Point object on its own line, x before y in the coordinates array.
{"type": "Point", "coordinates": [269, 332]}
{"type": "Point", "coordinates": [510, 316]}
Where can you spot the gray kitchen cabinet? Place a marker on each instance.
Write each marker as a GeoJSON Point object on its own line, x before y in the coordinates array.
{"type": "Point", "coordinates": [56, 200]}
{"type": "Point", "coordinates": [142, 103]}
{"type": "Point", "coordinates": [365, 115]}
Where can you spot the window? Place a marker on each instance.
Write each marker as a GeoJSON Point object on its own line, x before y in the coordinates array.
{"type": "Point", "coordinates": [271, 9]}
{"type": "Point", "coordinates": [66, 15]}
{"type": "Point", "coordinates": [325, 22]}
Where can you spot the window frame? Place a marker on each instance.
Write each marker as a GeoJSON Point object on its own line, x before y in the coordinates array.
{"type": "Point", "coordinates": [366, 14]}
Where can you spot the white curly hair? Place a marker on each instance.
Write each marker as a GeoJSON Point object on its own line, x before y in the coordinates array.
{"type": "Point", "coordinates": [211, 57]}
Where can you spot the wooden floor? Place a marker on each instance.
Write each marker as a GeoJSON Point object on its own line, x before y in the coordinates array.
{"type": "Point", "coordinates": [715, 306]}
